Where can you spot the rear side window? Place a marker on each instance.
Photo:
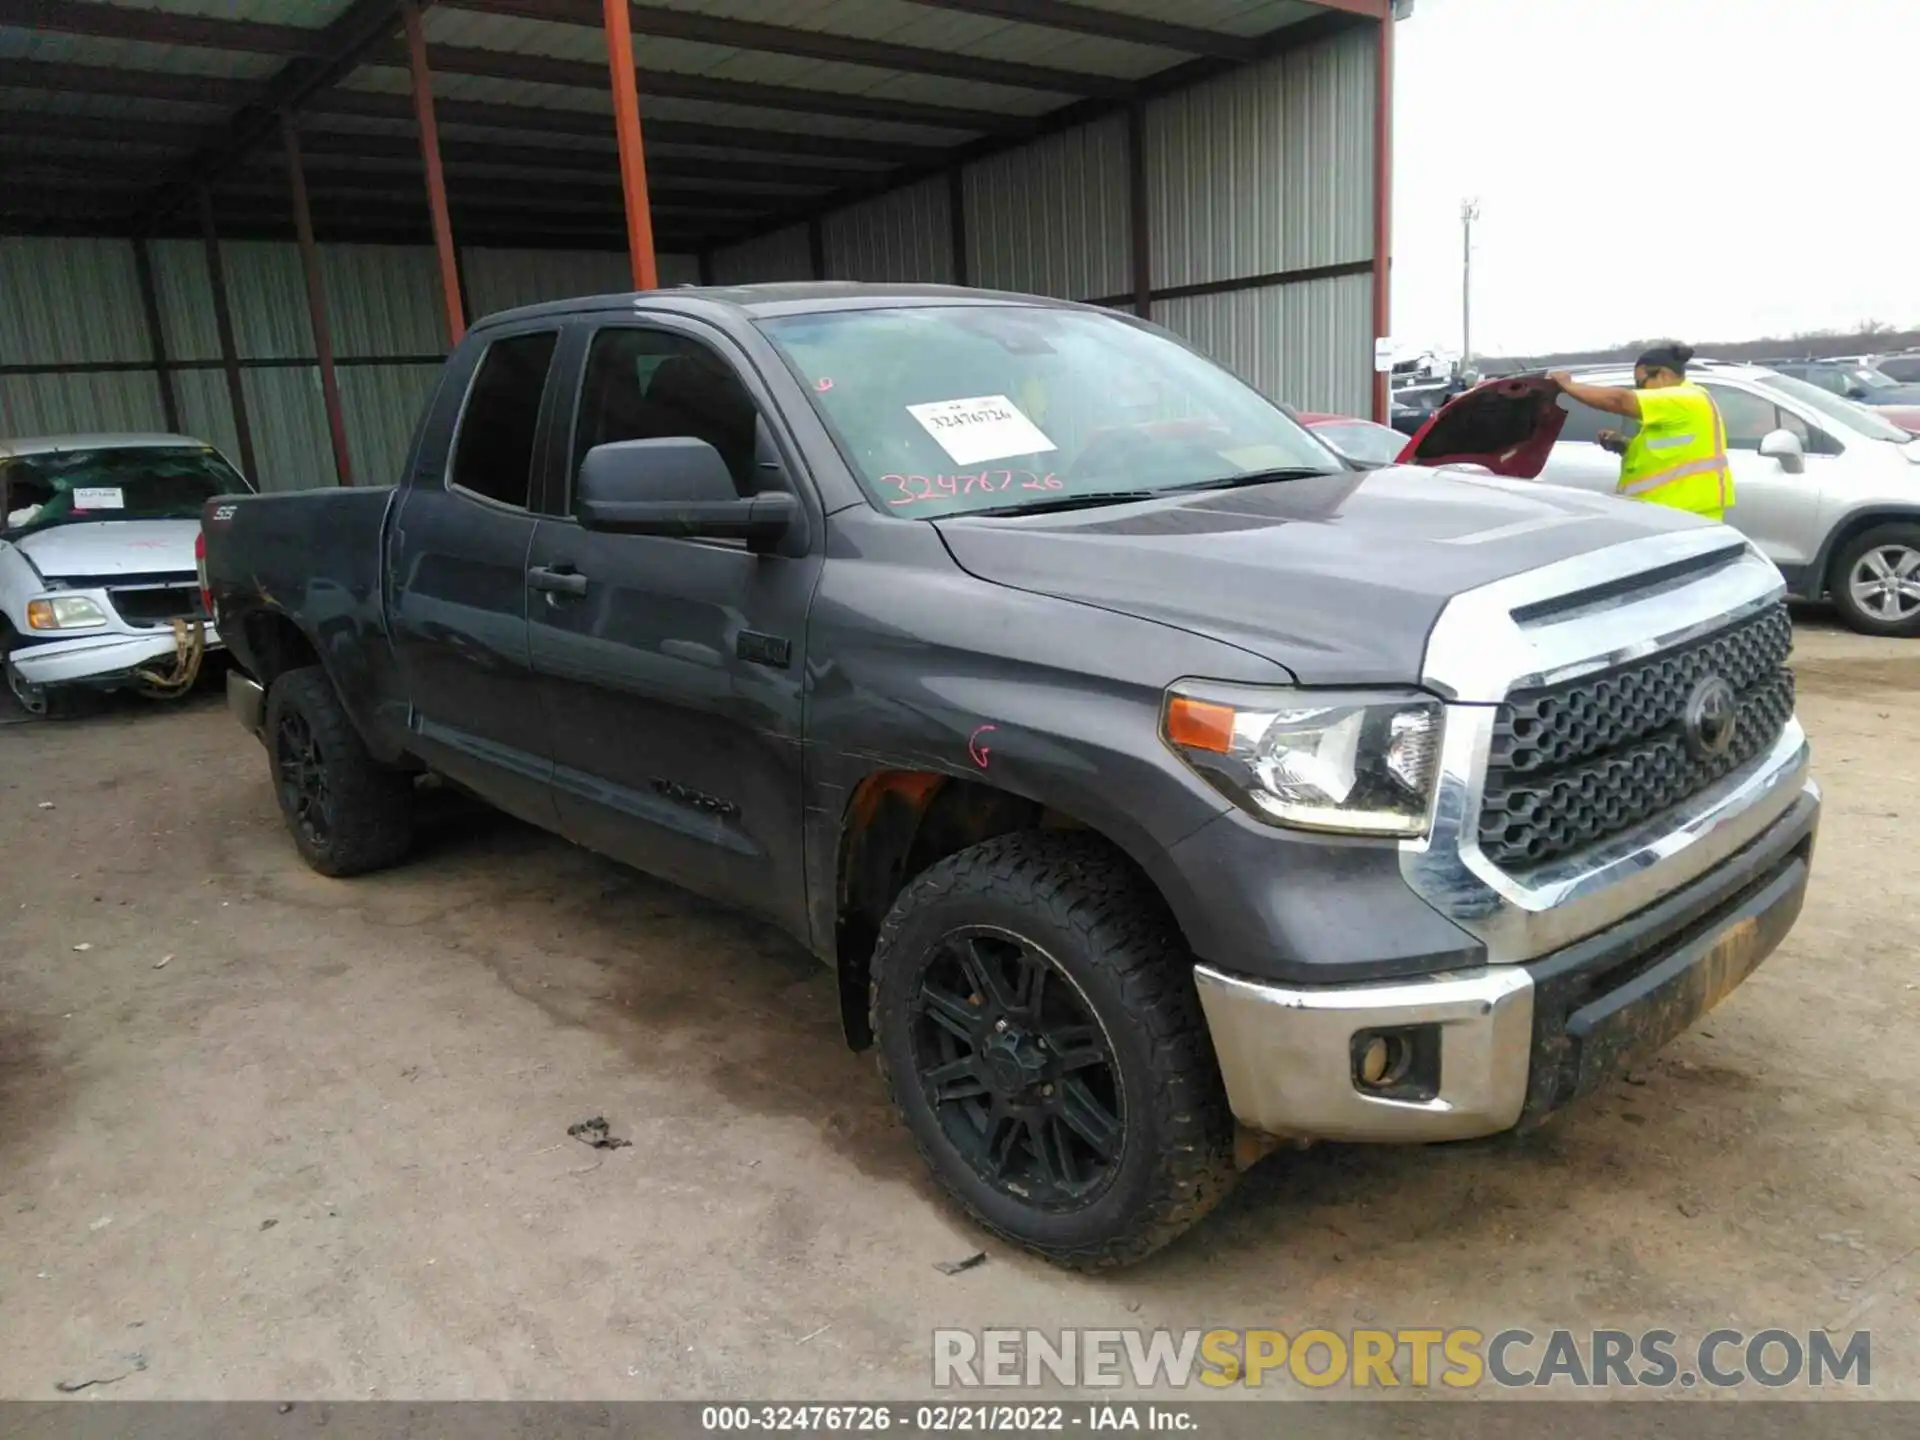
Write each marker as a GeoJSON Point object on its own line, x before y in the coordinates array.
{"type": "Point", "coordinates": [493, 454]}
{"type": "Point", "coordinates": [1584, 423]}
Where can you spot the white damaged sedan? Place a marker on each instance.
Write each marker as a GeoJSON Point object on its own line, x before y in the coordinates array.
{"type": "Point", "coordinates": [99, 587]}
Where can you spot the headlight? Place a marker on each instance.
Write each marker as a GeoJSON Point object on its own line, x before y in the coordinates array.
{"type": "Point", "coordinates": [1356, 763]}
{"type": "Point", "coordinates": [64, 612]}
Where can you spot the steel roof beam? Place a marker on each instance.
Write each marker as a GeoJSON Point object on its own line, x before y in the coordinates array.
{"type": "Point", "coordinates": [529, 122]}
{"type": "Point", "coordinates": [532, 122]}
{"type": "Point", "coordinates": [61, 76]}
{"type": "Point", "coordinates": [673, 84]}
{"type": "Point", "coordinates": [341, 47]}
{"type": "Point", "coordinates": [159, 27]}
{"type": "Point", "coordinates": [1107, 24]}
{"type": "Point", "coordinates": [734, 34]}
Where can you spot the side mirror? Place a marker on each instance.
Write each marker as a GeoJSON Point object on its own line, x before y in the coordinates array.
{"type": "Point", "coordinates": [1784, 446]}
{"type": "Point", "coordinates": [1856, 392]}
{"type": "Point", "coordinates": [676, 487]}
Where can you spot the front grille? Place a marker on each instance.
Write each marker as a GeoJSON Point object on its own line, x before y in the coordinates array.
{"type": "Point", "coordinates": [152, 607]}
{"type": "Point", "coordinates": [1576, 764]}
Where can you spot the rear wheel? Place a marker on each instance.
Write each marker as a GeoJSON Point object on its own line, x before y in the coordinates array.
{"type": "Point", "coordinates": [1876, 581]}
{"type": "Point", "coordinates": [1038, 1029]}
{"type": "Point", "coordinates": [348, 813]}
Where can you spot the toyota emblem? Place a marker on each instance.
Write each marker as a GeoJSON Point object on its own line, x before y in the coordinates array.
{"type": "Point", "coordinates": [1712, 718]}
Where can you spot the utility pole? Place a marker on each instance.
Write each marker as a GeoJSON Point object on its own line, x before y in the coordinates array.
{"type": "Point", "coordinates": [1469, 212]}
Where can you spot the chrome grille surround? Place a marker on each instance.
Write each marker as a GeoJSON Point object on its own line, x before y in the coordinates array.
{"type": "Point", "coordinates": [1544, 628]}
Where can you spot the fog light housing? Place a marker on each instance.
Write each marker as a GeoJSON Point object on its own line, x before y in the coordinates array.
{"type": "Point", "coordinates": [1402, 1063]}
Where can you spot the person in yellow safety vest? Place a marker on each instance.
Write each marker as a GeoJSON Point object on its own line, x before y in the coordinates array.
{"type": "Point", "coordinates": [1679, 455]}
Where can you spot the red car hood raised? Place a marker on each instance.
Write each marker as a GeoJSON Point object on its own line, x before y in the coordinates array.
{"type": "Point", "coordinates": [1508, 426]}
{"type": "Point", "coordinates": [1907, 417]}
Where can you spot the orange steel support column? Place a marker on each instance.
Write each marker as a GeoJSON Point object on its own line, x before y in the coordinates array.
{"type": "Point", "coordinates": [1383, 206]}
{"type": "Point", "coordinates": [316, 301]}
{"type": "Point", "coordinates": [436, 177]}
{"type": "Point", "coordinates": [633, 160]}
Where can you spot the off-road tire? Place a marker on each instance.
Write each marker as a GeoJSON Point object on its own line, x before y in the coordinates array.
{"type": "Point", "coordinates": [1095, 915]}
{"type": "Point", "coordinates": [1840, 578]}
{"type": "Point", "coordinates": [370, 805]}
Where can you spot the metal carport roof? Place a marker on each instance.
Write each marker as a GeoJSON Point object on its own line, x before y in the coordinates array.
{"type": "Point", "coordinates": [755, 114]}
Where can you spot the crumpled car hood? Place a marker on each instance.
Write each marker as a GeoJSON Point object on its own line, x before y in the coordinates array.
{"type": "Point", "coordinates": [111, 547]}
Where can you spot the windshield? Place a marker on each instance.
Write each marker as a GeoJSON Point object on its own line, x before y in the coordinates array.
{"type": "Point", "coordinates": [1869, 378]}
{"type": "Point", "coordinates": [135, 482]}
{"type": "Point", "coordinates": [1363, 443]}
{"type": "Point", "coordinates": [945, 410]}
{"type": "Point", "coordinates": [1856, 418]}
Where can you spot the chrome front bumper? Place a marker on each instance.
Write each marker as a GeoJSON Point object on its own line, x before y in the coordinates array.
{"type": "Point", "coordinates": [1287, 1054]}
{"type": "Point", "coordinates": [1514, 1042]}
{"type": "Point", "coordinates": [96, 658]}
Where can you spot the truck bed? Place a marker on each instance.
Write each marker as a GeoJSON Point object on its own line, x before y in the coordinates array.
{"type": "Point", "coordinates": [314, 554]}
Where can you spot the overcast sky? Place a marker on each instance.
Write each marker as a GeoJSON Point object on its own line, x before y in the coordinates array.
{"type": "Point", "coordinates": [1775, 144]}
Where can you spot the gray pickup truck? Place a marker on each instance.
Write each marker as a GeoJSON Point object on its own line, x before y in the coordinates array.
{"type": "Point", "coordinates": [1156, 785]}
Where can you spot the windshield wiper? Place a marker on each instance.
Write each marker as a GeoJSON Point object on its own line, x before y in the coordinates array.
{"type": "Point", "coordinates": [1065, 502]}
{"type": "Point", "coordinates": [1256, 477]}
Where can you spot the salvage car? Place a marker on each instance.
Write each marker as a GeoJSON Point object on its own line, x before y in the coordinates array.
{"type": "Point", "coordinates": [1157, 786]}
{"type": "Point", "coordinates": [1826, 489]}
{"type": "Point", "coordinates": [98, 582]}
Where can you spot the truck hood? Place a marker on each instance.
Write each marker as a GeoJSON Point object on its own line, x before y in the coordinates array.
{"type": "Point", "coordinates": [1508, 426]}
{"type": "Point", "coordinates": [1338, 578]}
{"type": "Point", "coordinates": [85, 548]}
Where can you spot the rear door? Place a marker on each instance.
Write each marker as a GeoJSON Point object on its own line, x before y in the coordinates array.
{"type": "Point", "coordinates": [671, 672]}
{"type": "Point", "coordinates": [457, 574]}
{"type": "Point", "coordinates": [1577, 461]}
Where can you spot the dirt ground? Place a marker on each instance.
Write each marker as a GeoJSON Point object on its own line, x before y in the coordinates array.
{"type": "Point", "coordinates": [321, 1151]}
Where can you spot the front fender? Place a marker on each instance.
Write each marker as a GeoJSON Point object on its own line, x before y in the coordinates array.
{"type": "Point", "coordinates": [918, 666]}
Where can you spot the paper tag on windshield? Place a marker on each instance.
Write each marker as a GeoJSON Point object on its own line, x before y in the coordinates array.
{"type": "Point", "coordinates": [99, 497]}
{"type": "Point", "coordinates": [1260, 457]}
{"type": "Point", "coordinates": [987, 427]}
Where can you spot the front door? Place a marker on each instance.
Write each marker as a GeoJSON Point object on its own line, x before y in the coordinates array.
{"type": "Point", "coordinates": [1778, 511]}
{"type": "Point", "coordinates": [458, 580]}
{"type": "Point", "coordinates": [672, 671]}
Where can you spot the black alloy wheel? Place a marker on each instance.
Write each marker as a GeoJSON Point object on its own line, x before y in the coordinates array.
{"type": "Point", "coordinates": [1018, 1069]}
{"type": "Point", "coordinates": [305, 795]}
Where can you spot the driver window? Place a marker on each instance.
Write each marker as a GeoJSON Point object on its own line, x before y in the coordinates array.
{"type": "Point", "coordinates": [1748, 418]}
{"type": "Point", "coordinates": [654, 385]}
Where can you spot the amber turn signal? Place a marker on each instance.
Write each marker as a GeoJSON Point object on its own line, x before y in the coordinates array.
{"type": "Point", "coordinates": [1196, 725]}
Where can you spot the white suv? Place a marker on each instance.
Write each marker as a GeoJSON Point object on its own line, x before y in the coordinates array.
{"type": "Point", "coordinates": [1825, 488]}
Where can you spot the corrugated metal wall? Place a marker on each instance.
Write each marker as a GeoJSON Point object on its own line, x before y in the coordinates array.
{"type": "Point", "coordinates": [68, 302]}
{"type": "Point", "coordinates": [1051, 218]}
{"type": "Point", "coordinates": [783, 255]}
{"type": "Point", "coordinates": [1266, 169]}
{"type": "Point", "coordinates": [1307, 343]}
{"type": "Point", "coordinates": [73, 302]}
{"type": "Point", "coordinates": [906, 235]}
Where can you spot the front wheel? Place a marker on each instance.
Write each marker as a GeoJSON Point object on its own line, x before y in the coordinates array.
{"type": "Point", "coordinates": [1876, 581]}
{"type": "Point", "coordinates": [348, 813]}
{"type": "Point", "coordinates": [1039, 1031]}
